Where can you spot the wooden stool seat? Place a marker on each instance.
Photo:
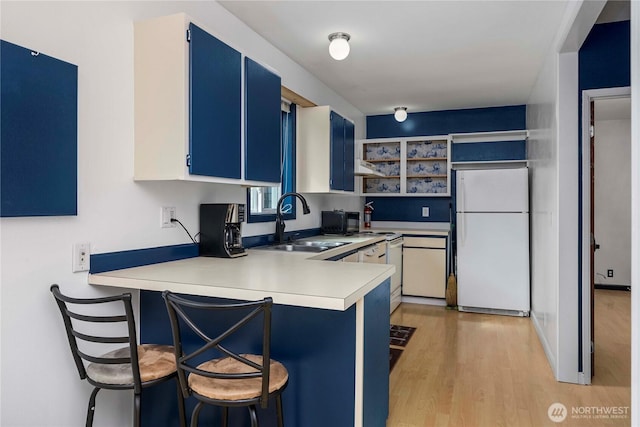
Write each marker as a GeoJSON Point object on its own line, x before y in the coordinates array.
{"type": "Point", "coordinates": [213, 373]}
{"type": "Point", "coordinates": [236, 389]}
{"type": "Point", "coordinates": [96, 329]}
{"type": "Point", "coordinates": [155, 362]}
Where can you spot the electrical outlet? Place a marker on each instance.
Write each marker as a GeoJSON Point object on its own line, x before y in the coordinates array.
{"type": "Point", "coordinates": [81, 257]}
{"type": "Point", "coordinates": [610, 272]}
{"type": "Point", "coordinates": [167, 214]}
{"type": "Point", "coordinates": [425, 211]}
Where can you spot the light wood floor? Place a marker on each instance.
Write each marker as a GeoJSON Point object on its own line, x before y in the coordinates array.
{"type": "Point", "coordinates": [476, 370]}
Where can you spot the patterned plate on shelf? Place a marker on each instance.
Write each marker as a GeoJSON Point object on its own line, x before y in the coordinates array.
{"type": "Point", "coordinates": [426, 149]}
{"type": "Point", "coordinates": [382, 151]}
{"type": "Point", "coordinates": [427, 185]}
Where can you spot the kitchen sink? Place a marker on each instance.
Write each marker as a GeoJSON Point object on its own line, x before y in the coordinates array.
{"type": "Point", "coordinates": [306, 246]}
{"type": "Point", "coordinates": [320, 244]}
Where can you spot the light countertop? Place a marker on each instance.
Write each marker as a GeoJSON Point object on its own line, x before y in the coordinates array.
{"type": "Point", "coordinates": [413, 231]}
{"type": "Point", "coordinates": [299, 279]}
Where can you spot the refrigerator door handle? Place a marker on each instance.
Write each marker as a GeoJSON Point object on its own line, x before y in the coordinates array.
{"type": "Point", "coordinates": [461, 193]}
{"type": "Point", "coordinates": [462, 210]}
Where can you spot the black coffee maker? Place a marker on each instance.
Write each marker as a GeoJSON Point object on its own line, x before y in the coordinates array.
{"type": "Point", "coordinates": [220, 225]}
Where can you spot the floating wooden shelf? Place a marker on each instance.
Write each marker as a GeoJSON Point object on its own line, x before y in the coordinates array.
{"type": "Point", "coordinates": [382, 177]}
{"type": "Point", "coordinates": [381, 160]}
{"type": "Point", "coordinates": [422, 159]}
{"type": "Point", "coordinates": [426, 176]}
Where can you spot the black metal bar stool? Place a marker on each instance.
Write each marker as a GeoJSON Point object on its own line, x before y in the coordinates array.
{"type": "Point", "coordinates": [100, 357]}
{"type": "Point", "coordinates": [231, 378]}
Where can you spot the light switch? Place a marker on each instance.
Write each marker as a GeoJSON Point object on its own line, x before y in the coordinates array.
{"type": "Point", "coordinates": [425, 211]}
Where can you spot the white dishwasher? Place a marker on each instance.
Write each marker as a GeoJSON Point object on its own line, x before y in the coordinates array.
{"type": "Point", "coordinates": [388, 252]}
{"type": "Point", "coordinates": [374, 254]}
{"type": "Point", "coordinates": [425, 263]}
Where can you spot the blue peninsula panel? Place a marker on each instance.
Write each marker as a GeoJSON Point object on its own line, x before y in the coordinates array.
{"type": "Point", "coordinates": [316, 346]}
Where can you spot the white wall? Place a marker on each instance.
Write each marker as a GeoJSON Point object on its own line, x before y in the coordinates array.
{"type": "Point", "coordinates": [635, 213]}
{"type": "Point", "coordinates": [612, 202]}
{"type": "Point", "coordinates": [542, 153]}
{"type": "Point", "coordinates": [552, 117]}
{"type": "Point", "coordinates": [39, 385]}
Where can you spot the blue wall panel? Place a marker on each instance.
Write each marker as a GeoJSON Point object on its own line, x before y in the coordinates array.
{"type": "Point", "coordinates": [410, 209]}
{"type": "Point", "coordinates": [489, 151]}
{"type": "Point", "coordinates": [39, 134]}
{"type": "Point", "coordinates": [604, 59]}
{"type": "Point", "coordinates": [137, 257]}
{"type": "Point", "coordinates": [490, 119]}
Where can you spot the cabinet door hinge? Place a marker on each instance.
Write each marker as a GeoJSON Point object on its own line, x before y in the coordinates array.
{"type": "Point", "coordinates": [188, 160]}
{"type": "Point", "coordinates": [188, 35]}
{"type": "Point", "coordinates": [592, 131]}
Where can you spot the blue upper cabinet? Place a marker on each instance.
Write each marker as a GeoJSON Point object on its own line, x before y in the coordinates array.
{"type": "Point", "coordinates": [337, 151]}
{"type": "Point", "coordinates": [342, 153]}
{"type": "Point", "coordinates": [262, 123]}
{"type": "Point", "coordinates": [215, 107]}
{"type": "Point", "coordinates": [39, 132]}
{"type": "Point", "coordinates": [325, 151]}
{"type": "Point", "coordinates": [349, 155]}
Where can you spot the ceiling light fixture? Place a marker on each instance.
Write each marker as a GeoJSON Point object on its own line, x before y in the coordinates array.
{"type": "Point", "coordinates": [400, 114]}
{"type": "Point", "coordinates": [339, 46]}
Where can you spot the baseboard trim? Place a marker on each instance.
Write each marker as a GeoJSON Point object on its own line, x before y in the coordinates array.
{"type": "Point", "coordinates": [545, 344]}
{"type": "Point", "coordinates": [626, 288]}
{"type": "Point", "coordinates": [424, 300]}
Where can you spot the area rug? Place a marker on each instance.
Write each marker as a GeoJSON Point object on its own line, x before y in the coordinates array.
{"type": "Point", "coordinates": [394, 355]}
{"type": "Point", "coordinates": [400, 335]}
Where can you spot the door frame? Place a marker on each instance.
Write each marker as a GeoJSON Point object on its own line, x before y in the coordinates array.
{"type": "Point", "coordinates": [585, 252]}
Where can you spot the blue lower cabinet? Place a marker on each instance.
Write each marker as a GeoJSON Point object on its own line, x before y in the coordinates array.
{"type": "Point", "coordinates": [376, 356]}
{"type": "Point", "coordinates": [38, 134]}
{"type": "Point", "coordinates": [318, 349]}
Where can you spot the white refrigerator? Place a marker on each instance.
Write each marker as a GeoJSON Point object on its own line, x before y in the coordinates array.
{"type": "Point", "coordinates": [492, 238]}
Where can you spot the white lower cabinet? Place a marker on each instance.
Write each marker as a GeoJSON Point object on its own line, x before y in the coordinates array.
{"type": "Point", "coordinates": [424, 264]}
{"type": "Point", "coordinates": [350, 258]}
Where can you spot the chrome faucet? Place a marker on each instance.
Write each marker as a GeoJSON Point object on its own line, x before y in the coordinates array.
{"type": "Point", "coordinates": [279, 236]}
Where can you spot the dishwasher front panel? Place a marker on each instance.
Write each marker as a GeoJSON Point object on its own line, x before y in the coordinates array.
{"type": "Point", "coordinates": [424, 272]}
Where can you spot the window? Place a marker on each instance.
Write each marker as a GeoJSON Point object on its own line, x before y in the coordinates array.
{"type": "Point", "coordinates": [262, 200]}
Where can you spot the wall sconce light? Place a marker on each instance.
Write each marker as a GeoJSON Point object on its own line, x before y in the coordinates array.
{"type": "Point", "coordinates": [400, 114]}
{"type": "Point", "coordinates": [339, 45]}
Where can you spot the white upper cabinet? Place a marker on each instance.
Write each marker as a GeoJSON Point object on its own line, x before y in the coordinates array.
{"type": "Point", "coordinates": [189, 106]}
{"type": "Point", "coordinates": [325, 151]}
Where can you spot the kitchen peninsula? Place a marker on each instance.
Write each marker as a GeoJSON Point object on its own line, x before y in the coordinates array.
{"type": "Point", "coordinates": [330, 328]}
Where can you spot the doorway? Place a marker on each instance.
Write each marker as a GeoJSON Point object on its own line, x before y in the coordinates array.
{"type": "Point", "coordinates": [606, 208]}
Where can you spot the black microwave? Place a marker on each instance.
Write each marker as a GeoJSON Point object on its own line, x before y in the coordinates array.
{"type": "Point", "coordinates": [340, 222]}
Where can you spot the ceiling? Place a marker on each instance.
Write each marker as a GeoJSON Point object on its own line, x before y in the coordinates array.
{"type": "Point", "coordinates": [425, 55]}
